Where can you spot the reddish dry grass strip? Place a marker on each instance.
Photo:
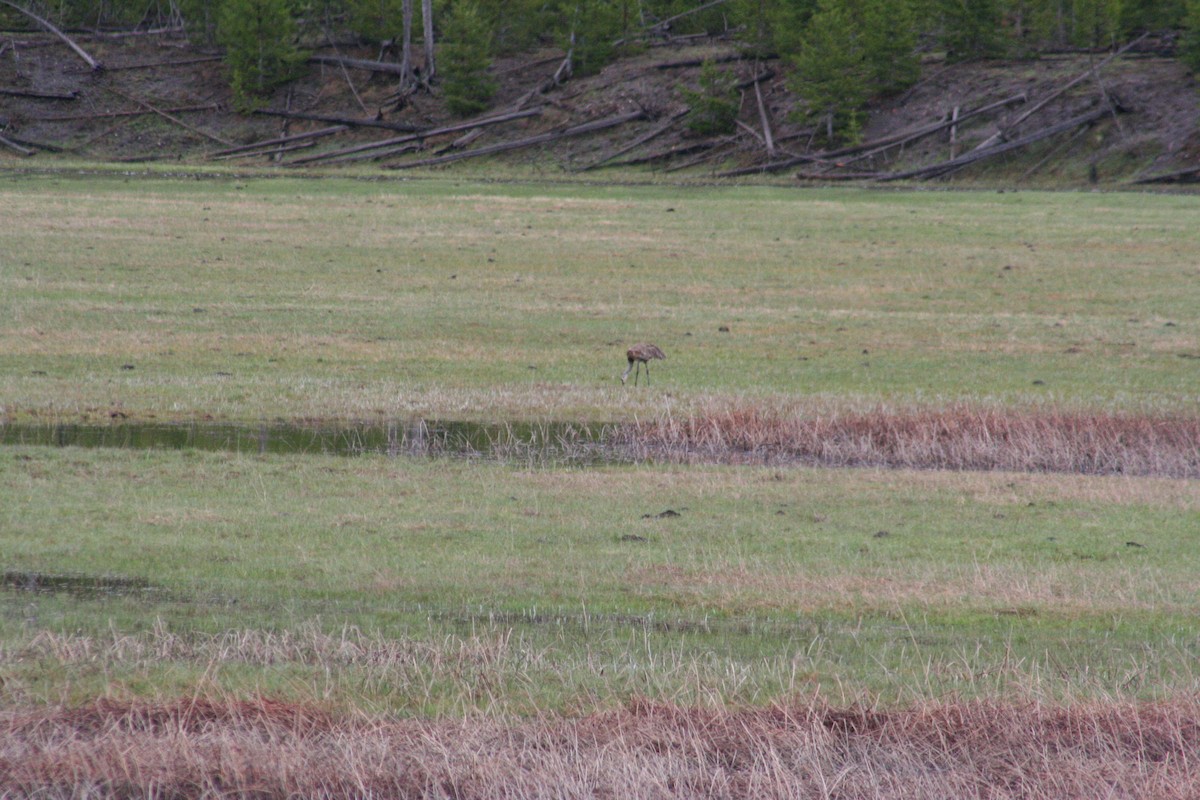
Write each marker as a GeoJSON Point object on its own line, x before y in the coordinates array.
{"type": "Point", "coordinates": [957, 438]}
{"type": "Point", "coordinates": [270, 749]}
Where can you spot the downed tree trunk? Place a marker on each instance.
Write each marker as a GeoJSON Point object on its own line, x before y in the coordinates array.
{"type": "Point", "coordinates": [79, 51]}
{"type": "Point", "coordinates": [876, 146]}
{"type": "Point", "coordinates": [279, 140]}
{"type": "Point", "coordinates": [1006, 131]}
{"type": "Point", "coordinates": [39, 95]}
{"type": "Point", "coordinates": [357, 63]}
{"type": "Point", "coordinates": [768, 139]}
{"type": "Point", "coordinates": [274, 150]}
{"type": "Point", "coordinates": [11, 145]}
{"type": "Point", "coordinates": [934, 170]}
{"type": "Point", "coordinates": [172, 118]}
{"type": "Point", "coordinates": [715, 149]}
{"type": "Point", "coordinates": [670, 152]}
{"type": "Point", "coordinates": [587, 127]}
{"type": "Point", "coordinates": [183, 62]}
{"type": "Point", "coordinates": [1180, 176]}
{"type": "Point", "coordinates": [332, 118]}
{"type": "Point", "coordinates": [697, 62]}
{"type": "Point", "coordinates": [839, 176]}
{"type": "Point", "coordinates": [137, 113]}
{"type": "Point", "coordinates": [645, 137]}
{"type": "Point", "coordinates": [425, 134]}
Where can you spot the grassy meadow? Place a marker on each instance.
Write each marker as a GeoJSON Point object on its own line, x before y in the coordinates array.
{"type": "Point", "coordinates": [250, 299]}
{"type": "Point", "coordinates": [505, 599]}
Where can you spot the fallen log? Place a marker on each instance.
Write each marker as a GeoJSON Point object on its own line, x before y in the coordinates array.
{"type": "Point", "coordinates": [641, 140]}
{"type": "Point", "coordinates": [1179, 176]}
{"type": "Point", "coordinates": [587, 127]}
{"type": "Point", "coordinates": [266, 151]}
{"type": "Point", "coordinates": [184, 62]}
{"type": "Point", "coordinates": [425, 134]}
{"type": "Point", "coordinates": [171, 118]}
{"type": "Point", "coordinates": [670, 152]}
{"type": "Point", "coordinates": [132, 113]}
{"type": "Point", "coordinates": [768, 139]}
{"type": "Point", "coordinates": [715, 149]}
{"type": "Point", "coordinates": [16, 148]}
{"type": "Point", "coordinates": [79, 51]}
{"type": "Point", "coordinates": [1006, 131]}
{"type": "Point", "coordinates": [389, 67]}
{"type": "Point", "coordinates": [697, 62]}
{"type": "Point", "coordinates": [839, 176]}
{"type": "Point", "coordinates": [875, 146]}
{"type": "Point", "coordinates": [36, 95]}
{"type": "Point", "coordinates": [317, 134]}
{"type": "Point", "coordinates": [337, 120]}
{"type": "Point", "coordinates": [461, 141]}
{"type": "Point", "coordinates": [932, 171]}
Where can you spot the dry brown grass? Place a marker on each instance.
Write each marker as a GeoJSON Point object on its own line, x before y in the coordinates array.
{"type": "Point", "coordinates": [264, 748]}
{"type": "Point", "coordinates": [958, 437]}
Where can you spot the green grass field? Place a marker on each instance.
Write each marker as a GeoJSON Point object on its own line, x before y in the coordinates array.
{"type": "Point", "coordinates": [250, 299]}
{"type": "Point", "coordinates": [489, 590]}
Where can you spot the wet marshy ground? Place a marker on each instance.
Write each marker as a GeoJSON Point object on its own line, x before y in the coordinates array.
{"type": "Point", "coordinates": [959, 438]}
{"type": "Point", "coordinates": [538, 442]}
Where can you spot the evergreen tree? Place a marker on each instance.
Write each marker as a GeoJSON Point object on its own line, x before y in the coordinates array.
{"type": "Point", "coordinates": [590, 30]}
{"type": "Point", "coordinates": [774, 27]}
{"type": "Point", "coordinates": [1151, 15]}
{"type": "Point", "coordinates": [889, 42]}
{"type": "Point", "coordinates": [1190, 46]}
{"type": "Point", "coordinates": [714, 108]}
{"type": "Point", "coordinates": [1097, 23]}
{"type": "Point", "coordinates": [465, 58]}
{"type": "Point", "coordinates": [972, 29]}
{"type": "Point", "coordinates": [375, 20]}
{"type": "Point", "coordinates": [851, 51]}
{"type": "Point", "coordinates": [260, 49]}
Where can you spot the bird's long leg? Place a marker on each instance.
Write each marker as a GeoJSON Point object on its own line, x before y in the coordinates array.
{"type": "Point", "coordinates": [647, 373]}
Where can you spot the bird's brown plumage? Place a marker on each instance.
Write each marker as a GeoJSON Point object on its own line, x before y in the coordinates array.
{"type": "Point", "coordinates": [639, 354]}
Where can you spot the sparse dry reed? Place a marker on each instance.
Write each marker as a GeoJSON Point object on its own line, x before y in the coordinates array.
{"type": "Point", "coordinates": [265, 748]}
{"type": "Point", "coordinates": [957, 437]}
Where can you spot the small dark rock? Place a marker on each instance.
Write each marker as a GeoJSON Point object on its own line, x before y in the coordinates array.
{"type": "Point", "coordinates": [127, 366]}
{"type": "Point", "coordinates": [632, 537]}
{"type": "Point", "coordinates": [882, 534]}
{"type": "Point", "coordinates": [1134, 544]}
{"type": "Point", "coordinates": [670, 512]}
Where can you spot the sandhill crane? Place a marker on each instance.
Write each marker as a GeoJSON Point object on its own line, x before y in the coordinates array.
{"type": "Point", "coordinates": [640, 354]}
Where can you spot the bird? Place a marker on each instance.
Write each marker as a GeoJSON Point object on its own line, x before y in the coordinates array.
{"type": "Point", "coordinates": [640, 354]}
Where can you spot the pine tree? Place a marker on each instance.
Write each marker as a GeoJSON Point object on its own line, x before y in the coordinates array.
{"type": "Point", "coordinates": [375, 20]}
{"type": "Point", "coordinates": [852, 51]}
{"type": "Point", "coordinates": [590, 29]}
{"type": "Point", "coordinates": [260, 49]}
{"type": "Point", "coordinates": [1190, 46]}
{"type": "Point", "coordinates": [465, 58]}
{"type": "Point", "coordinates": [715, 105]}
{"type": "Point", "coordinates": [971, 29]}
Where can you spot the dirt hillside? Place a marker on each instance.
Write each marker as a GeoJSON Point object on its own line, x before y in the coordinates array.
{"type": "Point", "coordinates": [160, 97]}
